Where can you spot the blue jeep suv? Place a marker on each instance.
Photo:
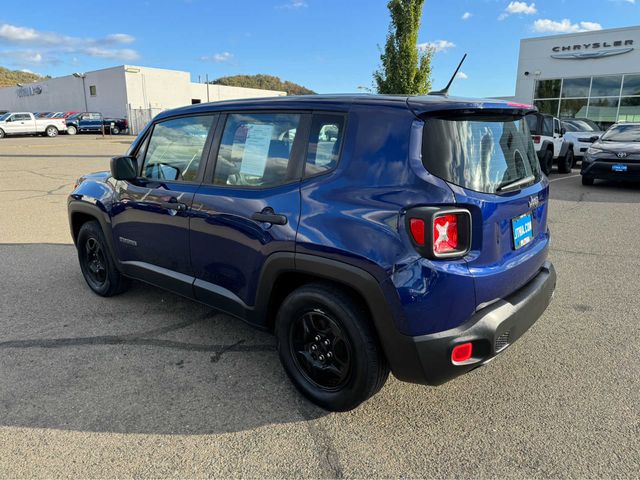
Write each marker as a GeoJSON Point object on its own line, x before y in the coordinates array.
{"type": "Point", "coordinates": [369, 233]}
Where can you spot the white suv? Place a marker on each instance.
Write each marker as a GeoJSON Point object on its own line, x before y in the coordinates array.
{"type": "Point", "coordinates": [549, 142]}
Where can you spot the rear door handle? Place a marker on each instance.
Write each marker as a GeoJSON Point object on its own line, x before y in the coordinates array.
{"type": "Point", "coordinates": [269, 216]}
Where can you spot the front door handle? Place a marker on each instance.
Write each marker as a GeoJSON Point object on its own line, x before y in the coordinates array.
{"type": "Point", "coordinates": [177, 206]}
{"type": "Point", "coordinates": [269, 216]}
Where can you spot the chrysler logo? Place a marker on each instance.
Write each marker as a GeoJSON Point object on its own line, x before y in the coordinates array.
{"type": "Point", "coordinates": [622, 154]}
{"type": "Point", "coordinates": [583, 51]}
{"type": "Point", "coordinates": [534, 201]}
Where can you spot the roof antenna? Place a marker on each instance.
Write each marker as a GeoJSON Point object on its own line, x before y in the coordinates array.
{"type": "Point", "coordinates": [445, 91]}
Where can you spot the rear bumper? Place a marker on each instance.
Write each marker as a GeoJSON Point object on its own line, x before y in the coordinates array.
{"type": "Point", "coordinates": [490, 329]}
{"type": "Point", "coordinates": [603, 170]}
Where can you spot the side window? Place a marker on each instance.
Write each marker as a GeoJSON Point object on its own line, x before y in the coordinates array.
{"type": "Point", "coordinates": [175, 148]}
{"type": "Point", "coordinates": [327, 131]}
{"type": "Point", "coordinates": [21, 117]}
{"type": "Point", "coordinates": [547, 126]}
{"type": "Point", "coordinates": [255, 150]}
{"type": "Point", "coordinates": [556, 126]}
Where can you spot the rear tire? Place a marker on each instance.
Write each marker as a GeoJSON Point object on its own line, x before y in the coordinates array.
{"type": "Point", "coordinates": [546, 164]}
{"type": "Point", "coordinates": [328, 348]}
{"type": "Point", "coordinates": [71, 130]}
{"type": "Point", "coordinates": [1, 133]}
{"type": "Point", "coordinates": [587, 181]}
{"type": "Point", "coordinates": [51, 132]}
{"type": "Point", "coordinates": [566, 164]}
{"type": "Point", "coordinates": [98, 268]}
{"type": "Point", "coordinates": [115, 131]}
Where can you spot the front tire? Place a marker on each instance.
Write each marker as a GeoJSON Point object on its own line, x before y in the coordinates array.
{"type": "Point", "coordinates": [71, 130]}
{"type": "Point", "coordinates": [98, 268]}
{"type": "Point", "coordinates": [51, 132]}
{"type": "Point", "coordinates": [328, 347]}
{"type": "Point", "coordinates": [566, 164]}
{"type": "Point", "coordinates": [115, 131]}
{"type": "Point", "coordinates": [587, 181]}
{"type": "Point", "coordinates": [1, 133]}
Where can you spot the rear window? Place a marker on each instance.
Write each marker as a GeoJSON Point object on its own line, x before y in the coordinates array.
{"type": "Point", "coordinates": [532, 123]}
{"type": "Point", "coordinates": [483, 153]}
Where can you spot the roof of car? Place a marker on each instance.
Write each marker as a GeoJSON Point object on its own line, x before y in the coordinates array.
{"type": "Point", "coordinates": [419, 104]}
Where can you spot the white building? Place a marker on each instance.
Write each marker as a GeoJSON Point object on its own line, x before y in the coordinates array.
{"type": "Point", "coordinates": [589, 74]}
{"type": "Point", "coordinates": [126, 91]}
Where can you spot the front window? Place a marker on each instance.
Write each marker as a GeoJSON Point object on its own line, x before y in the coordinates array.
{"type": "Point", "coordinates": [581, 125]}
{"type": "Point", "coordinates": [175, 148]}
{"type": "Point", "coordinates": [480, 152]}
{"type": "Point", "coordinates": [623, 133]}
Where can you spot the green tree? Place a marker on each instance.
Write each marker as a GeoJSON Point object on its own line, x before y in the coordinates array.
{"type": "Point", "coordinates": [268, 82]}
{"type": "Point", "coordinates": [406, 68]}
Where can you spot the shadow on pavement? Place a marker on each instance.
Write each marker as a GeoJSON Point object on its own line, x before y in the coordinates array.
{"type": "Point", "coordinates": [144, 362]}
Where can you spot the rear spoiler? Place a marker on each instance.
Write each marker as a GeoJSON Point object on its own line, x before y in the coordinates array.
{"type": "Point", "coordinates": [420, 105]}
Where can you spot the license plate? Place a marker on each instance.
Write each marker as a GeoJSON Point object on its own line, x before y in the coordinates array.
{"type": "Point", "coordinates": [619, 167]}
{"type": "Point", "coordinates": [522, 230]}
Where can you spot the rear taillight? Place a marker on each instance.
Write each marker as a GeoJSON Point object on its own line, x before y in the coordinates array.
{"type": "Point", "coordinates": [440, 232]}
{"type": "Point", "coordinates": [536, 139]}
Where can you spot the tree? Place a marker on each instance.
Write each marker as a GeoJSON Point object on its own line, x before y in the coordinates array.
{"type": "Point", "coordinates": [9, 78]}
{"type": "Point", "coordinates": [268, 82]}
{"type": "Point", "coordinates": [406, 67]}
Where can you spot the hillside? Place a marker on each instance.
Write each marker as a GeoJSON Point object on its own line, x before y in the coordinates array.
{"type": "Point", "coordinates": [268, 82]}
{"type": "Point", "coordinates": [9, 78]}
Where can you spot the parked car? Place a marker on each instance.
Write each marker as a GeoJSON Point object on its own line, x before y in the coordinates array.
{"type": "Point", "coordinates": [94, 122]}
{"type": "Point", "coordinates": [24, 123]}
{"type": "Point", "coordinates": [549, 142]}
{"type": "Point", "coordinates": [370, 233]}
{"type": "Point", "coordinates": [42, 114]}
{"type": "Point", "coordinates": [580, 132]}
{"type": "Point", "coordinates": [613, 156]}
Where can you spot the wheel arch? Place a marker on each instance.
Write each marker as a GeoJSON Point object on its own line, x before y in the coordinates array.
{"type": "Point", "coordinates": [81, 212]}
{"type": "Point", "coordinates": [285, 272]}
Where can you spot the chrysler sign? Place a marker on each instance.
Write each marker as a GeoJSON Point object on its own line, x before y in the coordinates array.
{"type": "Point", "coordinates": [584, 51]}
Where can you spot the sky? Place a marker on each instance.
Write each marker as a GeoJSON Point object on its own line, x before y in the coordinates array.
{"type": "Point", "coordinates": [329, 46]}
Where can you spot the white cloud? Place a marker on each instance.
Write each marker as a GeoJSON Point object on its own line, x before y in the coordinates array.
{"type": "Point", "coordinates": [462, 76]}
{"type": "Point", "coordinates": [120, 38]}
{"type": "Point", "coordinates": [437, 46]}
{"type": "Point", "coordinates": [53, 47]}
{"type": "Point", "coordinates": [518, 8]}
{"type": "Point", "coordinates": [293, 5]}
{"type": "Point", "coordinates": [564, 26]}
{"type": "Point", "coordinates": [632, 2]}
{"type": "Point", "coordinates": [218, 57]}
{"type": "Point", "coordinates": [467, 15]}
{"type": "Point", "coordinates": [111, 53]}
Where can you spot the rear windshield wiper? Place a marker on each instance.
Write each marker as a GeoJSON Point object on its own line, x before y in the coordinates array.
{"type": "Point", "coordinates": [516, 185]}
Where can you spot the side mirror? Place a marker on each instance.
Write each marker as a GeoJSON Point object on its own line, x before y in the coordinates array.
{"type": "Point", "coordinates": [8, 120]}
{"type": "Point", "coordinates": [594, 138]}
{"type": "Point", "coordinates": [563, 131]}
{"type": "Point", "coordinates": [124, 168]}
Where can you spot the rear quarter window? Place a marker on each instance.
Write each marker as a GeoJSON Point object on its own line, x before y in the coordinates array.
{"type": "Point", "coordinates": [479, 152]}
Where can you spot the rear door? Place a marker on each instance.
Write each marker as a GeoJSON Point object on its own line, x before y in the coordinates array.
{"type": "Point", "coordinates": [249, 205]}
{"type": "Point", "coordinates": [557, 137]}
{"type": "Point", "coordinates": [486, 159]}
{"type": "Point", "coordinates": [150, 216]}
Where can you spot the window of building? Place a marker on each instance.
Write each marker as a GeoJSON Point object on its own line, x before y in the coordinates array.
{"type": "Point", "coordinates": [547, 106]}
{"type": "Point", "coordinates": [548, 88]}
{"type": "Point", "coordinates": [327, 131]}
{"type": "Point", "coordinates": [629, 109]}
{"type": "Point", "coordinates": [255, 150]}
{"type": "Point", "coordinates": [576, 87]}
{"type": "Point", "coordinates": [175, 148]}
{"type": "Point", "coordinates": [195, 101]}
{"type": "Point", "coordinates": [603, 110]}
{"type": "Point", "coordinates": [573, 107]}
{"type": "Point", "coordinates": [92, 90]}
{"type": "Point", "coordinates": [631, 85]}
{"type": "Point", "coordinates": [608, 86]}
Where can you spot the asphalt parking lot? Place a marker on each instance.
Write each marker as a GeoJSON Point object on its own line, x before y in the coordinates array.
{"type": "Point", "coordinates": [150, 384]}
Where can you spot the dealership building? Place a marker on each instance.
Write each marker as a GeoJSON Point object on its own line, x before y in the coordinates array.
{"type": "Point", "coordinates": [126, 91]}
{"type": "Point", "coordinates": [593, 75]}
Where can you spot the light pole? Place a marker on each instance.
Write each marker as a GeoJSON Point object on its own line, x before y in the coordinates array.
{"type": "Point", "coordinates": [84, 89]}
